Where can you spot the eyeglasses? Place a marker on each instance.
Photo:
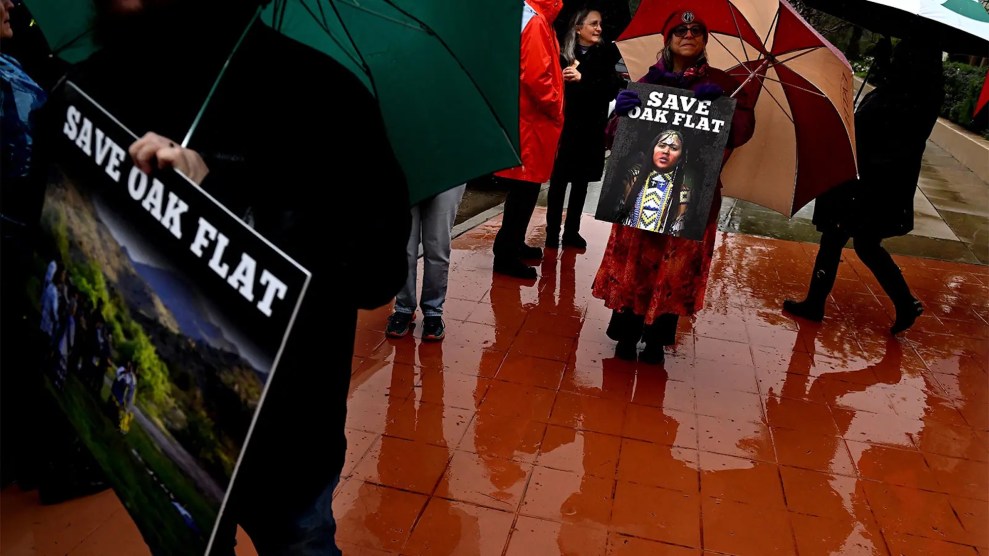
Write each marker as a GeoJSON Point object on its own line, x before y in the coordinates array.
{"type": "Point", "coordinates": [695, 30]}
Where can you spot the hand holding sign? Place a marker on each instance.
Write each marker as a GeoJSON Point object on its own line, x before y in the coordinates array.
{"type": "Point", "coordinates": [153, 147]}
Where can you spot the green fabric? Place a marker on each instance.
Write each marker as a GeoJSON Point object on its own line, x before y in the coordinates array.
{"type": "Point", "coordinates": [446, 74]}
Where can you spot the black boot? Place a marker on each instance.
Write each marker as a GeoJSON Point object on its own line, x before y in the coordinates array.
{"type": "Point", "coordinates": [906, 315]}
{"type": "Point", "coordinates": [530, 252]}
{"type": "Point", "coordinates": [653, 354]}
{"type": "Point", "coordinates": [908, 308]}
{"type": "Point", "coordinates": [812, 308]}
{"type": "Point", "coordinates": [625, 327]}
{"type": "Point", "coordinates": [514, 267]}
{"type": "Point", "coordinates": [626, 349]}
{"type": "Point", "coordinates": [806, 309]}
{"type": "Point", "coordinates": [573, 239]}
{"type": "Point", "coordinates": [822, 279]}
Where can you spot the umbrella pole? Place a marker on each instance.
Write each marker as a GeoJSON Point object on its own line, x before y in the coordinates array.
{"type": "Point", "coordinates": [749, 78]}
{"type": "Point", "coordinates": [864, 81]}
{"type": "Point", "coordinates": [216, 83]}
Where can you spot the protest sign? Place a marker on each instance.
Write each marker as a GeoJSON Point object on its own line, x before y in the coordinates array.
{"type": "Point", "coordinates": [162, 319]}
{"type": "Point", "coordinates": [664, 164]}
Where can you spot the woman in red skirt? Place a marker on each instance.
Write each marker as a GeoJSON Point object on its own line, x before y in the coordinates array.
{"type": "Point", "coordinates": [650, 279]}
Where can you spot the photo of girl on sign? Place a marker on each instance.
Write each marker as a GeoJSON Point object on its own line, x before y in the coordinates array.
{"type": "Point", "coordinates": [656, 195]}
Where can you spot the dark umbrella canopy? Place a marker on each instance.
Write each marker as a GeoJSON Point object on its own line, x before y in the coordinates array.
{"type": "Point", "coordinates": [956, 26]}
{"type": "Point", "coordinates": [445, 73]}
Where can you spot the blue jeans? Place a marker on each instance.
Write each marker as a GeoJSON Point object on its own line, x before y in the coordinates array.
{"type": "Point", "coordinates": [432, 223]}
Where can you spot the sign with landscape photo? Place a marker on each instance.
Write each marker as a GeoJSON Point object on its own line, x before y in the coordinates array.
{"type": "Point", "coordinates": [665, 162]}
{"type": "Point", "coordinates": [163, 317]}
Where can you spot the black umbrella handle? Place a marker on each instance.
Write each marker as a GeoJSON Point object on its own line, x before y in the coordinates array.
{"type": "Point", "coordinates": [864, 81]}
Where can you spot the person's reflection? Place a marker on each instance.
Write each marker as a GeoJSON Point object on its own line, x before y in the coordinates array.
{"type": "Point", "coordinates": [844, 506]}
{"type": "Point", "coordinates": [499, 437]}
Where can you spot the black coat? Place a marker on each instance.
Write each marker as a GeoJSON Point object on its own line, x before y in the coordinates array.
{"type": "Point", "coordinates": [283, 127]}
{"type": "Point", "coordinates": [582, 144]}
{"type": "Point", "coordinates": [891, 129]}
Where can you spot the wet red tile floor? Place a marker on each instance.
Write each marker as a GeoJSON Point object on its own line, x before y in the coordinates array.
{"type": "Point", "coordinates": [521, 433]}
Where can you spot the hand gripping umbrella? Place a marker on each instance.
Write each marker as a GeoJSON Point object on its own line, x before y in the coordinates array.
{"type": "Point", "coordinates": [445, 73]}
{"type": "Point", "coordinates": [804, 141]}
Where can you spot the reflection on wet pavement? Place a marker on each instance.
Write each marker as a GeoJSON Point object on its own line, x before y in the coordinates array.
{"type": "Point", "coordinates": [521, 433]}
{"type": "Point", "coordinates": [763, 434]}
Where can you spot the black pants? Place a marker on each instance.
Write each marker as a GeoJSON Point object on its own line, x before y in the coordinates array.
{"type": "Point", "coordinates": [873, 255]}
{"type": "Point", "coordinates": [554, 208]}
{"type": "Point", "coordinates": [519, 204]}
{"type": "Point", "coordinates": [626, 326]}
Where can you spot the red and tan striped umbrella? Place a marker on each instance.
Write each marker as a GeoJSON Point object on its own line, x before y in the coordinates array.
{"type": "Point", "coordinates": [804, 141]}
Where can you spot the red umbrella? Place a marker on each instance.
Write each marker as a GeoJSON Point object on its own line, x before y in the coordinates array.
{"type": "Point", "coordinates": [804, 142]}
{"type": "Point", "coordinates": [983, 97]}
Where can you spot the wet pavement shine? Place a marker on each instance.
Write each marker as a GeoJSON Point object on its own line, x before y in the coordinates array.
{"type": "Point", "coordinates": [522, 434]}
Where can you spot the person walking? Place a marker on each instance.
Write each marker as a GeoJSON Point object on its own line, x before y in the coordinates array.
{"type": "Point", "coordinates": [432, 224]}
{"type": "Point", "coordinates": [892, 125]}
{"type": "Point", "coordinates": [590, 82]}
{"type": "Point", "coordinates": [647, 279]}
{"type": "Point", "coordinates": [540, 125]}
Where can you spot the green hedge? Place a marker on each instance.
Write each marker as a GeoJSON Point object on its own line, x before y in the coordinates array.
{"type": "Point", "coordinates": [962, 85]}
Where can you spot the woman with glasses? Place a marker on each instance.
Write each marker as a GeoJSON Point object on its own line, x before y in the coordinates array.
{"type": "Point", "coordinates": [590, 82]}
{"type": "Point", "coordinates": [648, 279]}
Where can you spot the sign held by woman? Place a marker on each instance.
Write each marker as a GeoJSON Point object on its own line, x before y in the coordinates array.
{"type": "Point", "coordinates": [665, 162]}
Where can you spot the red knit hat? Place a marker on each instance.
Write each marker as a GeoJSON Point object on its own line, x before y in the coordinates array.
{"type": "Point", "coordinates": [682, 17]}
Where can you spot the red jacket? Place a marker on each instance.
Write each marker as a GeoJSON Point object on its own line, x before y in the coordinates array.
{"type": "Point", "coordinates": [540, 93]}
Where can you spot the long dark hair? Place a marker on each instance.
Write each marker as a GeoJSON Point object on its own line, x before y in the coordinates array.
{"type": "Point", "coordinates": [645, 166]}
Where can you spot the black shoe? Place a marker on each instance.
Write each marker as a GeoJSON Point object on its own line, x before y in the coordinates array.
{"type": "Point", "coordinates": [552, 241]}
{"type": "Point", "coordinates": [514, 267]}
{"type": "Point", "coordinates": [626, 350]}
{"type": "Point", "coordinates": [804, 309]}
{"type": "Point", "coordinates": [906, 316]}
{"type": "Point", "coordinates": [653, 354]}
{"type": "Point", "coordinates": [530, 252]}
{"type": "Point", "coordinates": [574, 240]}
{"type": "Point", "coordinates": [399, 324]}
{"type": "Point", "coordinates": [433, 329]}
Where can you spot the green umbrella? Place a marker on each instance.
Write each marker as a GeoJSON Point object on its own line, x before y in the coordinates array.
{"type": "Point", "coordinates": [445, 73]}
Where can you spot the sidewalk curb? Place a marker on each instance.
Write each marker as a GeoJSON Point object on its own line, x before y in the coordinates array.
{"type": "Point", "coordinates": [481, 218]}
{"type": "Point", "coordinates": [971, 150]}
{"type": "Point", "coordinates": [476, 220]}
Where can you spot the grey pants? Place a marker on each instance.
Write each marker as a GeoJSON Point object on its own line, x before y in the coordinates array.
{"type": "Point", "coordinates": [432, 223]}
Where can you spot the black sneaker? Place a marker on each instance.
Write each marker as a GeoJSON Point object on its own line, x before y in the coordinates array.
{"type": "Point", "coordinates": [530, 252]}
{"type": "Point", "coordinates": [399, 324]}
{"type": "Point", "coordinates": [433, 329]}
{"type": "Point", "coordinates": [574, 240]}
